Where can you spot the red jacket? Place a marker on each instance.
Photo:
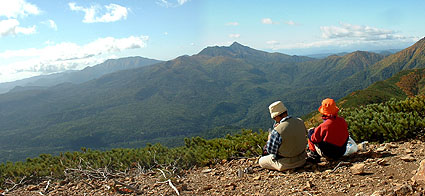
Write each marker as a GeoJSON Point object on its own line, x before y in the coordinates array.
{"type": "Point", "coordinates": [334, 130]}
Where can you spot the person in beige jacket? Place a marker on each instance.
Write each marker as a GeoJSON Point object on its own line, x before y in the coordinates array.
{"type": "Point", "coordinates": [286, 143]}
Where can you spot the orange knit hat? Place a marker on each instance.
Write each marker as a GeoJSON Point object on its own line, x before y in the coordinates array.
{"type": "Point", "coordinates": [328, 107]}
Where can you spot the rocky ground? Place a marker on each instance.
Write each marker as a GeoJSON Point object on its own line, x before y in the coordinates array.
{"type": "Point", "coordinates": [380, 169]}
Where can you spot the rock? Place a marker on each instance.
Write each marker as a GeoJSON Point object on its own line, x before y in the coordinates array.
{"type": "Point", "coordinates": [408, 151]}
{"type": "Point", "coordinates": [408, 158]}
{"type": "Point", "coordinates": [231, 185]}
{"type": "Point", "coordinates": [309, 184]}
{"type": "Point", "coordinates": [257, 177]}
{"type": "Point", "coordinates": [381, 149]}
{"type": "Point", "coordinates": [32, 188]}
{"type": "Point", "coordinates": [357, 169]}
{"type": "Point", "coordinates": [419, 177]}
{"type": "Point", "coordinates": [248, 170]}
{"type": "Point", "coordinates": [404, 190]}
{"type": "Point", "coordinates": [240, 173]}
{"type": "Point", "coordinates": [382, 162]}
{"type": "Point", "coordinates": [390, 145]}
{"type": "Point", "coordinates": [378, 193]}
{"type": "Point", "coordinates": [207, 187]}
{"type": "Point", "coordinates": [206, 170]}
{"type": "Point", "coordinates": [182, 187]}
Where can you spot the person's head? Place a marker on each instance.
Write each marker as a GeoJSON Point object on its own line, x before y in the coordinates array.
{"type": "Point", "coordinates": [278, 111]}
{"type": "Point", "coordinates": [328, 107]}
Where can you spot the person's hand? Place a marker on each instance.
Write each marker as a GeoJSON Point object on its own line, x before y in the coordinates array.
{"type": "Point", "coordinates": [268, 138]}
{"type": "Point", "coordinates": [277, 124]}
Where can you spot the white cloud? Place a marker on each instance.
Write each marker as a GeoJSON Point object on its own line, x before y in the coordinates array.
{"type": "Point", "coordinates": [349, 31]}
{"type": "Point", "coordinates": [347, 35]}
{"type": "Point", "coordinates": [17, 8]}
{"type": "Point", "coordinates": [165, 33]}
{"type": "Point", "coordinates": [268, 21]}
{"type": "Point", "coordinates": [11, 27]}
{"type": "Point", "coordinates": [111, 13]}
{"type": "Point", "coordinates": [168, 3]}
{"type": "Point", "coordinates": [236, 35]}
{"type": "Point", "coordinates": [64, 56]}
{"type": "Point", "coordinates": [272, 42]}
{"type": "Point", "coordinates": [232, 24]}
{"type": "Point", "coordinates": [291, 23]}
{"type": "Point", "coordinates": [13, 10]}
{"type": "Point", "coordinates": [181, 2]}
{"type": "Point", "coordinates": [52, 25]}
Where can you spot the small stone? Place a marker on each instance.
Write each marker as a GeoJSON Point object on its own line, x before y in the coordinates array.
{"type": "Point", "coordinates": [381, 149]}
{"type": "Point", "coordinates": [240, 173]}
{"type": "Point", "coordinates": [183, 187]}
{"type": "Point", "coordinates": [378, 193]}
{"type": "Point", "coordinates": [358, 169]}
{"type": "Point", "coordinates": [309, 184]}
{"type": "Point", "coordinates": [390, 145]}
{"type": "Point", "coordinates": [248, 170]}
{"type": "Point", "coordinates": [382, 162]}
{"type": "Point", "coordinates": [408, 158]}
{"type": "Point", "coordinates": [419, 177]}
{"type": "Point", "coordinates": [208, 187]}
{"type": "Point", "coordinates": [231, 185]}
{"type": "Point", "coordinates": [32, 188]}
{"type": "Point", "coordinates": [206, 170]}
{"type": "Point", "coordinates": [403, 190]}
{"type": "Point", "coordinates": [408, 151]}
{"type": "Point", "coordinates": [257, 177]}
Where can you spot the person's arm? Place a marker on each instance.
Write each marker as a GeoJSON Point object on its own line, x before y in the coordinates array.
{"type": "Point", "coordinates": [315, 135]}
{"type": "Point", "coordinates": [273, 143]}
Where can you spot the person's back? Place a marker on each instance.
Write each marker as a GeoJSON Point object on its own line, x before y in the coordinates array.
{"type": "Point", "coordinates": [285, 148]}
{"type": "Point", "coordinates": [293, 133]}
{"type": "Point", "coordinates": [330, 138]}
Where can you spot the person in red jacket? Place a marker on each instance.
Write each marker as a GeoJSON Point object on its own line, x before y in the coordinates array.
{"type": "Point", "coordinates": [330, 138]}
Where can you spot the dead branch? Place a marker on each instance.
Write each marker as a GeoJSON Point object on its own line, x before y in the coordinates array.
{"type": "Point", "coordinates": [22, 181]}
{"type": "Point", "coordinates": [341, 163]}
{"type": "Point", "coordinates": [47, 186]}
{"type": "Point", "coordinates": [171, 185]}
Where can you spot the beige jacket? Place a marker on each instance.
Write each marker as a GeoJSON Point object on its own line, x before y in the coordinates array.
{"type": "Point", "coordinates": [294, 142]}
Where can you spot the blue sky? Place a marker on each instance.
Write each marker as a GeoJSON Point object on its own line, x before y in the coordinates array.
{"type": "Point", "coordinates": [43, 37]}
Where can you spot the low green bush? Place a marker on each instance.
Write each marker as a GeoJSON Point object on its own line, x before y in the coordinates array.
{"type": "Point", "coordinates": [390, 121]}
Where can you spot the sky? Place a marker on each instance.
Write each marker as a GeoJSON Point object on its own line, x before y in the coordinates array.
{"type": "Point", "coordinates": [44, 36]}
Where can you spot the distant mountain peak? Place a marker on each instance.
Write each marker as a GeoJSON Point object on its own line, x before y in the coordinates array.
{"type": "Point", "coordinates": [234, 50]}
{"type": "Point", "coordinates": [237, 44]}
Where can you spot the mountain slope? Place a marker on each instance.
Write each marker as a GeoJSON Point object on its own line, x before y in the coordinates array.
{"type": "Point", "coordinates": [219, 88]}
{"type": "Point", "coordinates": [77, 77]}
{"type": "Point", "coordinates": [335, 68]}
{"type": "Point", "coordinates": [401, 85]}
{"type": "Point", "coordinates": [409, 58]}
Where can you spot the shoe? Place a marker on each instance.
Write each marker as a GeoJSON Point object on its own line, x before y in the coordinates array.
{"type": "Point", "coordinates": [312, 157]}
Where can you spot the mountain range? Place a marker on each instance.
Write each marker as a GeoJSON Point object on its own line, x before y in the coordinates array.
{"type": "Point", "coordinates": [217, 91]}
{"type": "Point", "coordinates": [77, 77]}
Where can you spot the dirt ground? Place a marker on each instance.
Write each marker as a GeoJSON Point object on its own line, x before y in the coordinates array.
{"type": "Point", "coordinates": [380, 169]}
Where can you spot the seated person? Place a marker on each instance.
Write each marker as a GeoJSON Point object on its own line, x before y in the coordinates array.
{"type": "Point", "coordinates": [330, 138]}
{"type": "Point", "coordinates": [285, 148]}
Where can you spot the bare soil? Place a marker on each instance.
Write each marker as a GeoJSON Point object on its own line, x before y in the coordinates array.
{"type": "Point", "coordinates": [387, 170]}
